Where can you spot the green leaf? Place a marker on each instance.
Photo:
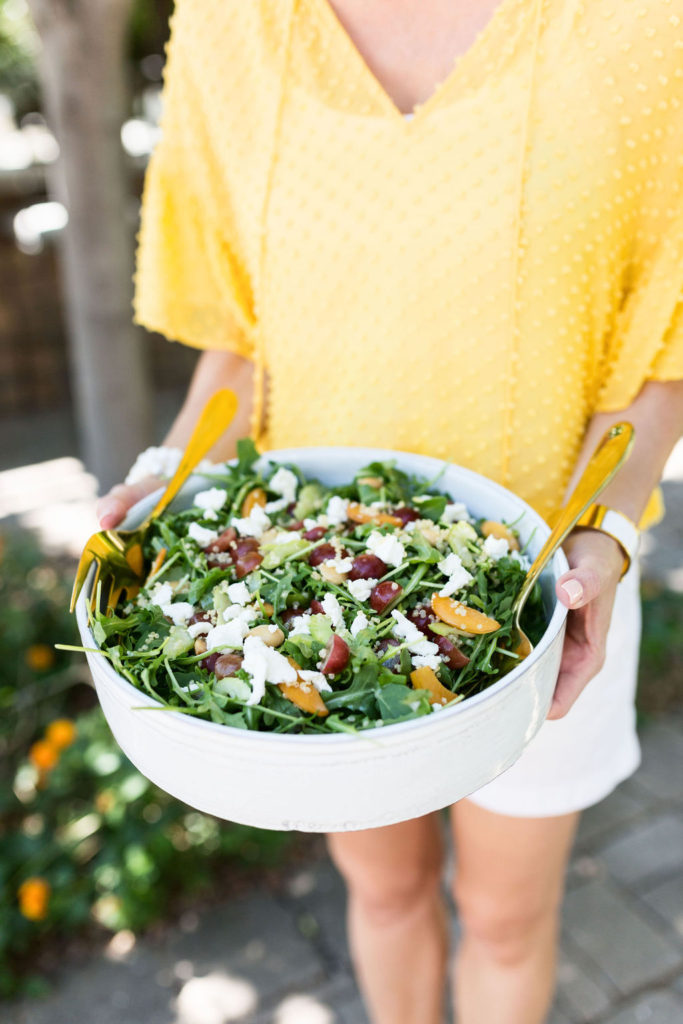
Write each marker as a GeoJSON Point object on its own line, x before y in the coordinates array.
{"type": "Point", "coordinates": [247, 454]}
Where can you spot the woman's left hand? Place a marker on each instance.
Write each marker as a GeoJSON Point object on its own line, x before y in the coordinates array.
{"type": "Point", "coordinates": [588, 590]}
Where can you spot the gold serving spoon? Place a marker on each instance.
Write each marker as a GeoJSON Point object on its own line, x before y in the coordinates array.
{"type": "Point", "coordinates": [117, 554]}
{"type": "Point", "coordinates": [613, 450]}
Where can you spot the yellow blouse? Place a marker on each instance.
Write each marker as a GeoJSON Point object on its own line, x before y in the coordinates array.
{"type": "Point", "coordinates": [473, 283]}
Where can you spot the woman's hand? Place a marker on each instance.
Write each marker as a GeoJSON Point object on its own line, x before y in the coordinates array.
{"type": "Point", "coordinates": [588, 590]}
{"type": "Point", "coordinates": [112, 507]}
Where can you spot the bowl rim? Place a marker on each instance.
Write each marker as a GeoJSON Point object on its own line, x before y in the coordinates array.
{"type": "Point", "coordinates": [289, 455]}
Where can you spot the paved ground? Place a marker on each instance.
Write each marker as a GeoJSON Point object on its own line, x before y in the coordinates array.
{"type": "Point", "coordinates": [261, 959]}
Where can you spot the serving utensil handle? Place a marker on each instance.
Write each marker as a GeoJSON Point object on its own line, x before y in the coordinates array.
{"type": "Point", "coordinates": [214, 420]}
{"type": "Point", "coordinates": [611, 453]}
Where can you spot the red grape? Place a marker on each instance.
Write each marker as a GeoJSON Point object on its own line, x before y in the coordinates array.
{"type": "Point", "coordinates": [383, 594]}
{"type": "Point", "coordinates": [367, 567]}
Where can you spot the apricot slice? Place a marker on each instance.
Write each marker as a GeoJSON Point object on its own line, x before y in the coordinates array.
{"type": "Point", "coordinates": [425, 678]}
{"type": "Point", "coordinates": [467, 619]}
{"type": "Point", "coordinates": [303, 694]}
{"type": "Point", "coordinates": [490, 528]}
{"type": "Point", "coordinates": [156, 564]}
{"type": "Point", "coordinates": [256, 497]}
{"type": "Point", "coordinates": [358, 513]}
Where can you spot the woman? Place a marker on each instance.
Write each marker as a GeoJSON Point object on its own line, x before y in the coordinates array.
{"type": "Point", "coordinates": [494, 279]}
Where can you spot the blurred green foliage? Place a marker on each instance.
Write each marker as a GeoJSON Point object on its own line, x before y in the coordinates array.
{"type": "Point", "coordinates": [112, 848]}
{"type": "Point", "coordinates": [19, 46]}
{"type": "Point", "coordinates": [18, 51]}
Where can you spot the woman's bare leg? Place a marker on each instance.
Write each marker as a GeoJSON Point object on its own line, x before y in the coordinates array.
{"type": "Point", "coordinates": [396, 919]}
{"type": "Point", "coordinates": [509, 882]}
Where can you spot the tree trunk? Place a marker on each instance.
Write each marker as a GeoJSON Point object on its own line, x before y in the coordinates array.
{"type": "Point", "coordinates": [84, 85]}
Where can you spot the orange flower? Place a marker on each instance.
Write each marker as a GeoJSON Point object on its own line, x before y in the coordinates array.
{"type": "Point", "coordinates": [40, 657]}
{"type": "Point", "coordinates": [43, 755]}
{"type": "Point", "coordinates": [61, 733]}
{"type": "Point", "coordinates": [34, 895]}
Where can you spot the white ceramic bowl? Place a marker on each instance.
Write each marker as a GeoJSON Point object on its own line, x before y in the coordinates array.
{"type": "Point", "coordinates": [341, 782]}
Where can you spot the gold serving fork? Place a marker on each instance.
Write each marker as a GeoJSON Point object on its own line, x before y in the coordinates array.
{"type": "Point", "coordinates": [612, 451]}
{"type": "Point", "coordinates": [117, 554]}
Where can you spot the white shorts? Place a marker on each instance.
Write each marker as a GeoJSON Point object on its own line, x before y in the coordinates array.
{"type": "Point", "coordinates": [577, 760]}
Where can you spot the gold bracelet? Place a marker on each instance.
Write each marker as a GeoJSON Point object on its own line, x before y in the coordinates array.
{"type": "Point", "coordinates": [618, 526]}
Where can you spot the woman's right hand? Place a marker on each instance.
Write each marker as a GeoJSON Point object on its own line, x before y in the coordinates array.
{"type": "Point", "coordinates": [112, 507]}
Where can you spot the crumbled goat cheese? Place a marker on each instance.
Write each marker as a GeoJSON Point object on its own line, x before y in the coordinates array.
{"type": "Point", "coordinates": [522, 559]}
{"type": "Point", "coordinates": [361, 589]}
{"type": "Point", "coordinates": [310, 524]}
{"type": "Point", "coordinates": [300, 626]}
{"type": "Point", "coordinates": [253, 525]}
{"type": "Point", "coordinates": [496, 547]}
{"type": "Point", "coordinates": [227, 634]}
{"type": "Point", "coordinates": [210, 515]}
{"type": "Point", "coordinates": [239, 593]}
{"type": "Point", "coordinates": [455, 511]}
{"type": "Point", "coordinates": [332, 608]}
{"type": "Point", "coordinates": [340, 564]}
{"type": "Point", "coordinates": [317, 678]}
{"type": "Point", "coordinates": [196, 629]}
{"type": "Point", "coordinates": [278, 505]}
{"type": "Point", "coordinates": [360, 622]}
{"type": "Point", "coordinates": [179, 612]}
{"type": "Point", "coordinates": [161, 594]}
{"type": "Point", "coordinates": [426, 661]}
{"type": "Point", "coordinates": [213, 499]}
{"type": "Point", "coordinates": [458, 576]}
{"type": "Point", "coordinates": [386, 547]}
{"type": "Point", "coordinates": [337, 510]}
{"type": "Point", "coordinates": [284, 483]}
{"type": "Point", "coordinates": [236, 611]}
{"type": "Point", "coordinates": [201, 534]}
{"type": "Point", "coordinates": [408, 631]}
{"type": "Point", "coordinates": [265, 665]}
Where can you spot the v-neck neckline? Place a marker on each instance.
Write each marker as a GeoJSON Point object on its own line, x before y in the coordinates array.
{"type": "Point", "coordinates": [441, 90]}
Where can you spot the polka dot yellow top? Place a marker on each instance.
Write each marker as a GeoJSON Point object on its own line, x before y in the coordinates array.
{"type": "Point", "coordinates": [472, 283]}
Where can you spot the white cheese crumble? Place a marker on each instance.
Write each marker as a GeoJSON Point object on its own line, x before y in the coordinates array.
{"type": "Point", "coordinates": [458, 576]}
{"type": "Point", "coordinates": [455, 511]}
{"type": "Point", "coordinates": [426, 661]}
{"type": "Point", "coordinates": [161, 594]}
{"type": "Point", "coordinates": [332, 608]}
{"type": "Point", "coordinates": [496, 547]}
{"type": "Point", "coordinates": [239, 593]}
{"type": "Point", "coordinates": [278, 505]}
{"type": "Point", "coordinates": [253, 525]}
{"type": "Point", "coordinates": [361, 589]}
{"type": "Point", "coordinates": [408, 631]}
{"type": "Point", "coordinates": [201, 535]}
{"type": "Point", "coordinates": [196, 629]}
{"type": "Point", "coordinates": [227, 634]}
{"type": "Point", "coordinates": [340, 564]}
{"type": "Point", "coordinates": [284, 482]}
{"type": "Point", "coordinates": [179, 612]}
{"type": "Point", "coordinates": [337, 510]}
{"type": "Point", "coordinates": [317, 678]}
{"type": "Point", "coordinates": [360, 622]}
{"type": "Point", "coordinates": [236, 611]}
{"type": "Point", "coordinates": [211, 500]}
{"type": "Point", "coordinates": [522, 559]}
{"type": "Point", "coordinates": [300, 626]}
{"type": "Point", "coordinates": [386, 547]}
{"type": "Point", "coordinates": [265, 665]}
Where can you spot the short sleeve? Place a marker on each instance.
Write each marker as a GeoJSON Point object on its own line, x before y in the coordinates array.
{"type": "Point", "coordinates": [647, 341]}
{"type": "Point", "coordinates": [191, 281]}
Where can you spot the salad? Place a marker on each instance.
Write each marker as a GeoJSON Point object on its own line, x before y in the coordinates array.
{"type": "Point", "coordinates": [279, 604]}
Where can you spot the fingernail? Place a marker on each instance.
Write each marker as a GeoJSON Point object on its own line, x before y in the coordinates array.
{"type": "Point", "coordinates": [573, 590]}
